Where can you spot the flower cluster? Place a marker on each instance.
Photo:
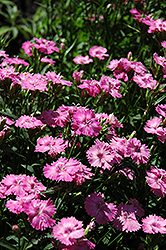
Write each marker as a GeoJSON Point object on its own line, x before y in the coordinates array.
{"type": "Point", "coordinates": [27, 191]}
{"type": "Point", "coordinates": [43, 45]}
{"type": "Point", "coordinates": [26, 121]}
{"type": "Point", "coordinates": [95, 51]}
{"type": "Point", "coordinates": [121, 68]}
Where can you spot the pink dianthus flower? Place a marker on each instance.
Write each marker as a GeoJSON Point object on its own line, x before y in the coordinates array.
{"type": "Point", "coordinates": [137, 151]}
{"type": "Point", "coordinates": [145, 81]}
{"type": "Point", "coordinates": [156, 179]}
{"type": "Point", "coordinates": [82, 60]}
{"type": "Point", "coordinates": [152, 125]}
{"type": "Point", "coordinates": [32, 81]}
{"type": "Point", "coordinates": [96, 207]}
{"type": "Point", "coordinates": [77, 75]}
{"type": "Point", "coordinates": [45, 46]}
{"type": "Point", "coordinates": [161, 109]}
{"type": "Point", "coordinates": [125, 219]}
{"type": "Point", "coordinates": [26, 121]}
{"type": "Point", "coordinates": [92, 87]}
{"type": "Point", "coordinates": [67, 170]}
{"type": "Point", "coordinates": [54, 146]}
{"type": "Point", "coordinates": [98, 51]}
{"type": "Point", "coordinates": [85, 122]}
{"type": "Point", "coordinates": [16, 61]}
{"type": "Point", "coordinates": [68, 230]}
{"type": "Point", "coordinates": [47, 60]}
{"type": "Point", "coordinates": [102, 155]}
{"type": "Point", "coordinates": [154, 224]}
{"type": "Point", "coordinates": [39, 213]}
{"type": "Point", "coordinates": [57, 79]}
{"type": "Point", "coordinates": [110, 85]}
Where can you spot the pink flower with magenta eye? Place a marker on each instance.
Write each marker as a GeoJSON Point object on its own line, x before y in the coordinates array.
{"type": "Point", "coordinates": [85, 122]}
{"type": "Point", "coordinates": [39, 213]}
{"type": "Point", "coordinates": [96, 207]}
{"type": "Point", "coordinates": [68, 230]}
{"type": "Point", "coordinates": [99, 52]}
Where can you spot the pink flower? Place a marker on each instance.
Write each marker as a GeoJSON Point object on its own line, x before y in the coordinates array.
{"type": "Point", "coordinates": [154, 224]}
{"type": "Point", "coordinates": [161, 109]}
{"type": "Point", "coordinates": [145, 81]}
{"type": "Point", "coordinates": [92, 87]}
{"type": "Point", "coordinates": [98, 51]}
{"type": "Point", "coordinates": [47, 60]}
{"type": "Point", "coordinates": [85, 122]}
{"type": "Point", "coordinates": [57, 79]}
{"type": "Point", "coordinates": [137, 151]}
{"type": "Point", "coordinates": [54, 146]}
{"type": "Point", "coordinates": [16, 61]}
{"type": "Point", "coordinates": [159, 59]}
{"type": "Point", "coordinates": [152, 125]}
{"type": "Point", "coordinates": [8, 72]}
{"type": "Point", "coordinates": [110, 85]}
{"type": "Point", "coordinates": [22, 185]}
{"type": "Point", "coordinates": [49, 117]}
{"type": "Point", "coordinates": [67, 170]}
{"type": "Point", "coordinates": [77, 75]}
{"type": "Point", "coordinates": [125, 219]}
{"type": "Point", "coordinates": [45, 46]}
{"type": "Point", "coordinates": [163, 44]}
{"type": "Point", "coordinates": [103, 212]}
{"type": "Point", "coordinates": [82, 60]}
{"type": "Point", "coordinates": [102, 155]}
{"type": "Point", "coordinates": [127, 172]}
{"type": "Point", "coordinates": [92, 18]}
{"type": "Point", "coordinates": [27, 47]}
{"type": "Point", "coordinates": [32, 81]}
{"type": "Point", "coordinates": [68, 230]}
{"type": "Point", "coordinates": [26, 121]}
{"type": "Point", "coordinates": [156, 179]}
{"type": "Point", "coordinates": [39, 213]}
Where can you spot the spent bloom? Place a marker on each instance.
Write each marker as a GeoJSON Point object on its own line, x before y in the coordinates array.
{"type": "Point", "coordinates": [67, 170]}
{"type": "Point", "coordinates": [68, 230]}
{"type": "Point", "coordinates": [82, 60]}
{"type": "Point", "coordinates": [54, 146]}
{"type": "Point", "coordinates": [139, 211]}
{"type": "Point", "coordinates": [26, 121]}
{"type": "Point", "coordinates": [39, 213]}
{"type": "Point", "coordinates": [98, 51]}
{"type": "Point", "coordinates": [125, 219]}
{"type": "Point", "coordinates": [154, 224]}
{"type": "Point", "coordinates": [156, 179]}
{"type": "Point", "coordinates": [96, 207]}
